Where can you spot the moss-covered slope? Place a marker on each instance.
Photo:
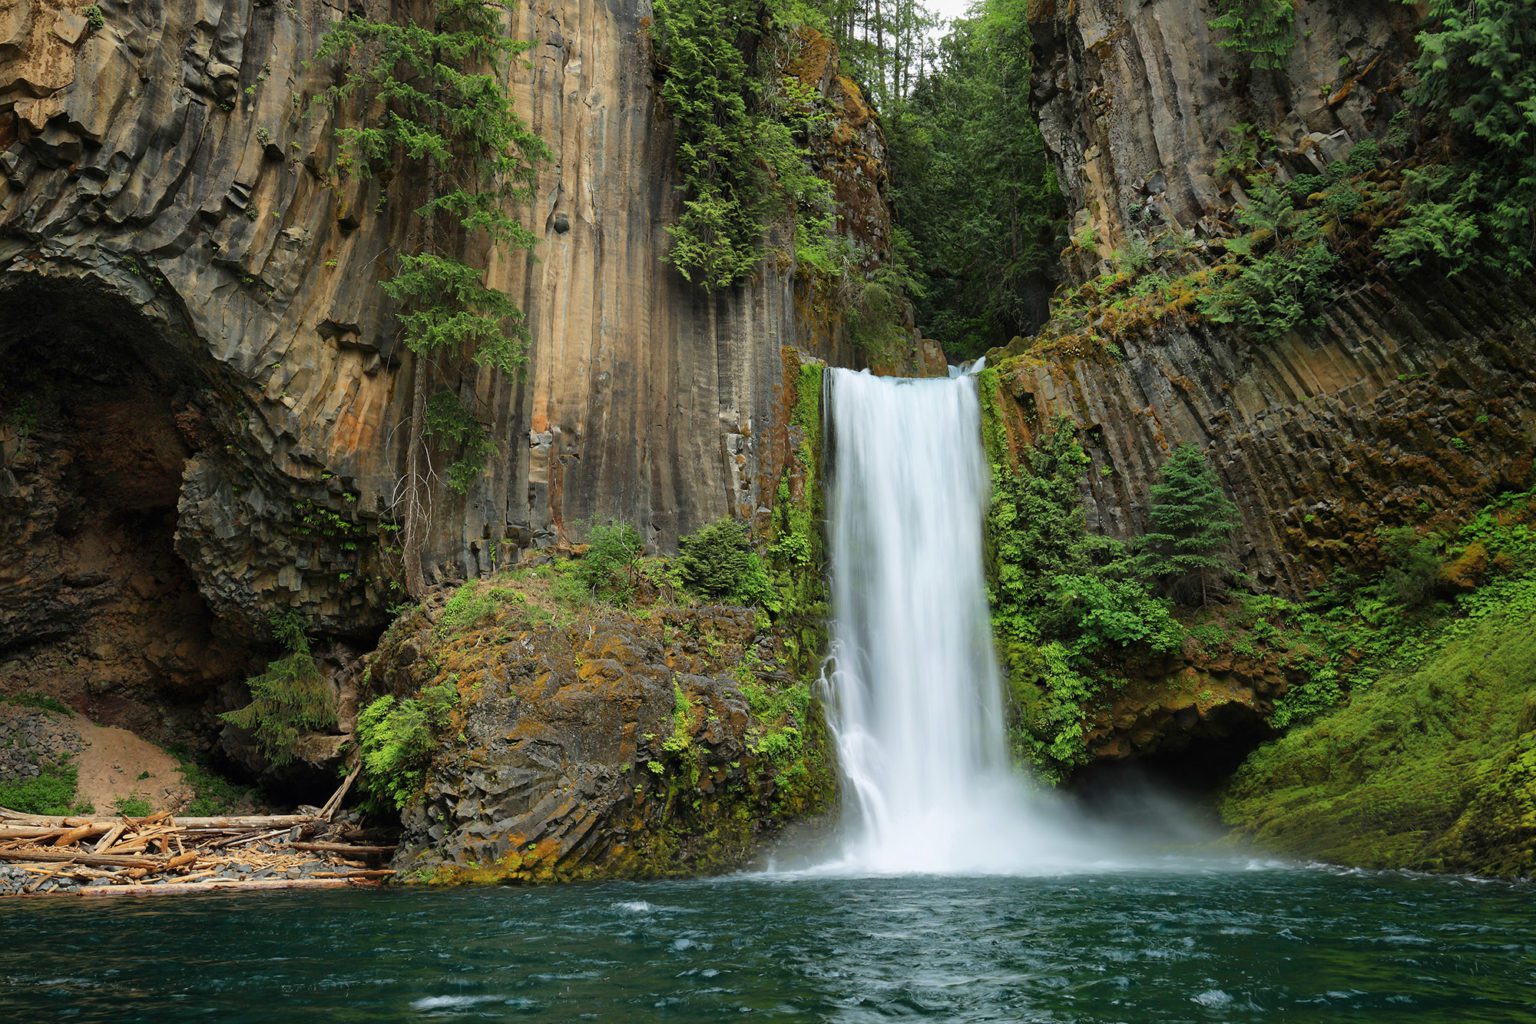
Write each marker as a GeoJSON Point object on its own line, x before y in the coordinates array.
{"type": "Point", "coordinates": [1433, 768]}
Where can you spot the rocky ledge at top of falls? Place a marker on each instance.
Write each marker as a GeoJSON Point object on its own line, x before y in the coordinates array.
{"type": "Point", "coordinates": [596, 742]}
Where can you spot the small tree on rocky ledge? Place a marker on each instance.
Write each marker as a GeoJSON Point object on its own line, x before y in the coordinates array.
{"type": "Point", "coordinates": [432, 91]}
{"type": "Point", "coordinates": [1187, 548]}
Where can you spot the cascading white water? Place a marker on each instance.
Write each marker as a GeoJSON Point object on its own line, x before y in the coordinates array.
{"type": "Point", "coordinates": [915, 696]}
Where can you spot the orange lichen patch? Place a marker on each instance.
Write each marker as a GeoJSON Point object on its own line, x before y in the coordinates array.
{"type": "Point", "coordinates": [815, 55]}
{"type": "Point", "coordinates": [1467, 570]}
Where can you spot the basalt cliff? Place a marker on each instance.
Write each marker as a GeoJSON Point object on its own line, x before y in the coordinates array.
{"type": "Point", "coordinates": [205, 386]}
{"type": "Point", "coordinates": [205, 397]}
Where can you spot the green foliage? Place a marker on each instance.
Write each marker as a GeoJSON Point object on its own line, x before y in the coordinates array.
{"type": "Point", "coordinates": [1063, 612]}
{"type": "Point", "coordinates": [38, 702]}
{"type": "Point", "coordinates": [741, 152]}
{"type": "Point", "coordinates": [609, 568]}
{"type": "Point", "coordinates": [1354, 633]}
{"type": "Point", "coordinates": [1187, 546]}
{"type": "Point", "coordinates": [1284, 263]}
{"type": "Point", "coordinates": [1051, 698]}
{"type": "Point", "coordinates": [290, 698]}
{"type": "Point", "coordinates": [1413, 566]}
{"type": "Point", "coordinates": [94, 16]}
{"type": "Point", "coordinates": [212, 793]}
{"type": "Point", "coordinates": [796, 554]}
{"type": "Point", "coordinates": [447, 419]}
{"type": "Point", "coordinates": [717, 561]}
{"type": "Point", "coordinates": [396, 739]}
{"type": "Point", "coordinates": [1037, 528]}
{"type": "Point", "coordinates": [50, 791]}
{"type": "Point", "coordinates": [1477, 78]}
{"type": "Point", "coordinates": [975, 189]}
{"type": "Point", "coordinates": [782, 740]}
{"type": "Point", "coordinates": [135, 805]}
{"type": "Point", "coordinates": [432, 93]}
{"type": "Point", "coordinates": [1430, 768]}
{"type": "Point", "coordinates": [470, 605]}
{"type": "Point", "coordinates": [1262, 30]}
{"type": "Point", "coordinates": [1105, 613]}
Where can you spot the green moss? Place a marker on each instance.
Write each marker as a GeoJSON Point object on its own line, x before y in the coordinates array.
{"type": "Point", "coordinates": [797, 553]}
{"type": "Point", "coordinates": [1432, 767]}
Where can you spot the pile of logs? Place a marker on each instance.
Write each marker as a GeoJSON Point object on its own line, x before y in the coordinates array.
{"type": "Point", "coordinates": [162, 854]}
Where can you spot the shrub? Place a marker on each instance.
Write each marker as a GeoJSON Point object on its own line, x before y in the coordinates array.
{"type": "Point", "coordinates": [50, 791]}
{"type": "Point", "coordinates": [396, 738]}
{"type": "Point", "coordinates": [1413, 567]}
{"type": "Point", "coordinates": [468, 606]}
{"type": "Point", "coordinates": [290, 698]}
{"type": "Point", "coordinates": [1476, 76]}
{"type": "Point", "coordinates": [717, 561]}
{"type": "Point", "coordinates": [93, 15]}
{"type": "Point", "coordinates": [133, 806]}
{"type": "Point", "coordinates": [609, 568]}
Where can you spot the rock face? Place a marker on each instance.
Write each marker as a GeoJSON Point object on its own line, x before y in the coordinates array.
{"type": "Point", "coordinates": [168, 204]}
{"type": "Point", "coordinates": [1138, 101]}
{"type": "Point", "coordinates": [1411, 402]}
{"type": "Point", "coordinates": [597, 743]}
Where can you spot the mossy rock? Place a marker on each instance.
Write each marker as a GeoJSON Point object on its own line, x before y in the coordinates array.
{"type": "Point", "coordinates": [1433, 769]}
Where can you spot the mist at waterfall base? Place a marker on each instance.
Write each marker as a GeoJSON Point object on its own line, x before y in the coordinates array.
{"type": "Point", "coordinates": [914, 693]}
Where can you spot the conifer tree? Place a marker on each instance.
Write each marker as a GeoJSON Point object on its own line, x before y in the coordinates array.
{"type": "Point", "coordinates": [431, 92]}
{"type": "Point", "coordinates": [1187, 548]}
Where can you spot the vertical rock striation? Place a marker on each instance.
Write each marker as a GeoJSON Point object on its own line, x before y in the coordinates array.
{"type": "Point", "coordinates": [167, 201]}
{"type": "Point", "coordinates": [1409, 402]}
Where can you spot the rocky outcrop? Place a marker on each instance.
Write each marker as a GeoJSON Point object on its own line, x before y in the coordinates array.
{"type": "Point", "coordinates": [593, 742]}
{"type": "Point", "coordinates": [168, 206]}
{"type": "Point", "coordinates": [1409, 401]}
{"type": "Point", "coordinates": [1202, 702]}
{"type": "Point", "coordinates": [1410, 404]}
{"type": "Point", "coordinates": [1137, 102]}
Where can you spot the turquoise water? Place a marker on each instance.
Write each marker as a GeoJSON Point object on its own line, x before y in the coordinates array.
{"type": "Point", "coordinates": [1254, 945]}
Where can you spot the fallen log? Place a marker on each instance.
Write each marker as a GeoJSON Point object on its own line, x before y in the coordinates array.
{"type": "Point", "coordinates": [74, 835]}
{"type": "Point", "coordinates": [78, 857]}
{"type": "Point", "coordinates": [224, 823]}
{"type": "Point", "coordinates": [106, 841]}
{"type": "Point", "coordinates": [341, 848]}
{"type": "Point", "coordinates": [39, 833]}
{"type": "Point", "coordinates": [227, 885]}
{"type": "Point", "coordinates": [361, 873]}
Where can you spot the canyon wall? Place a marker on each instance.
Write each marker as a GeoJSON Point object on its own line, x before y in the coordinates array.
{"type": "Point", "coordinates": [170, 215]}
{"type": "Point", "coordinates": [1410, 401]}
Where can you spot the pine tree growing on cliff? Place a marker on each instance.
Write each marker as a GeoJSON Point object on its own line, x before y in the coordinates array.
{"type": "Point", "coordinates": [1187, 548]}
{"type": "Point", "coordinates": [430, 93]}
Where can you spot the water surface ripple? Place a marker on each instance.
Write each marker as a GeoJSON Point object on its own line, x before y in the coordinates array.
{"type": "Point", "coordinates": [1200, 945]}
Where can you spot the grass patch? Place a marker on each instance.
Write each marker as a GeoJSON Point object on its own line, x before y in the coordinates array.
{"type": "Point", "coordinates": [39, 702]}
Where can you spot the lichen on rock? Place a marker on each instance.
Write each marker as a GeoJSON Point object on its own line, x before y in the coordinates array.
{"type": "Point", "coordinates": [590, 741]}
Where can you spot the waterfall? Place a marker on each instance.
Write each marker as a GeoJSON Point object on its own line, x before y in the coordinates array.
{"type": "Point", "coordinates": [915, 694]}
